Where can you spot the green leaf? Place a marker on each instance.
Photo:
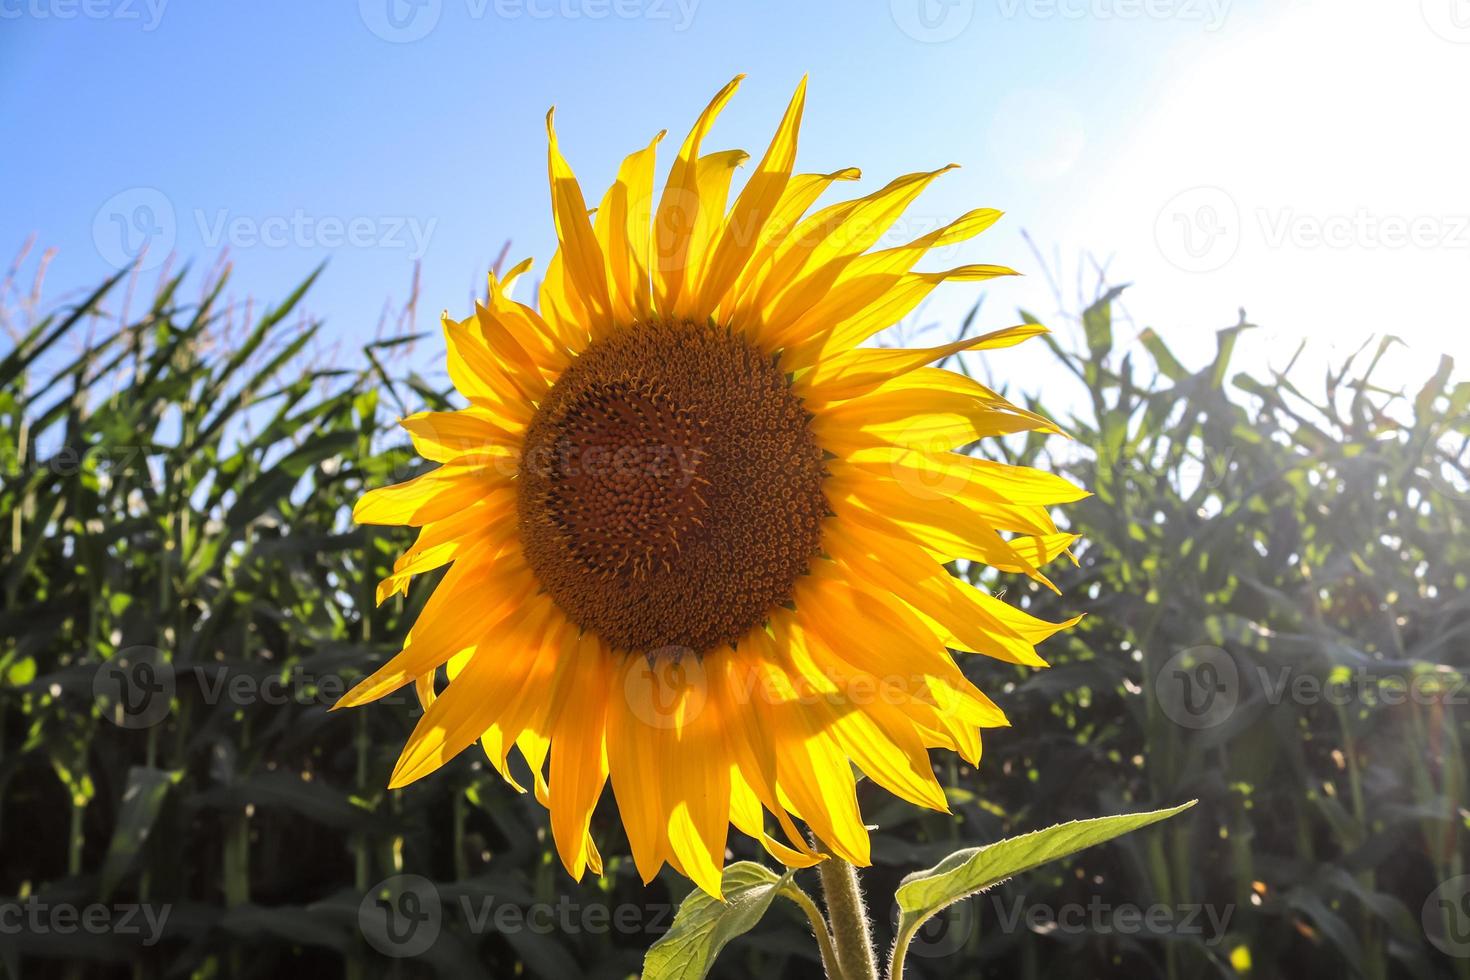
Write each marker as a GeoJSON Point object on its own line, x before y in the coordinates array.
{"type": "Point", "coordinates": [21, 672]}
{"type": "Point", "coordinates": [141, 802]}
{"type": "Point", "coordinates": [1167, 363]}
{"type": "Point", "coordinates": [974, 869]}
{"type": "Point", "coordinates": [1097, 323]}
{"type": "Point", "coordinates": [703, 925]}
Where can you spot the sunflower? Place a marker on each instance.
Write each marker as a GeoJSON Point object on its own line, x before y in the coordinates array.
{"type": "Point", "coordinates": [696, 534]}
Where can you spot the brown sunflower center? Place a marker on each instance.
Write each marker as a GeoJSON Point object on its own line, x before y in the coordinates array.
{"type": "Point", "coordinates": [670, 488]}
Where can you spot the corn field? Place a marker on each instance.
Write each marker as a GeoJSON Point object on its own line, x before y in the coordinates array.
{"type": "Point", "coordinates": [1276, 577]}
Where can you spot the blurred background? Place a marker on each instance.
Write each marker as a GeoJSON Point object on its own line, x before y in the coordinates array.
{"type": "Point", "coordinates": [231, 228]}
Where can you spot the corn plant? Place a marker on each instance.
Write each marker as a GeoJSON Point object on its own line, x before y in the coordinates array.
{"type": "Point", "coordinates": [1275, 576]}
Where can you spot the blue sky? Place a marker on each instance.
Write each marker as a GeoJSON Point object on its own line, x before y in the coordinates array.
{"type": "Point", "coordinates": [1302, 158]}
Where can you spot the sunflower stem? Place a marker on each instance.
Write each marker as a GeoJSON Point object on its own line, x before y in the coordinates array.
{"type": "Point", "coordinates": [851, 932]}
{"type": "Point", "coordinates": [819, 929]}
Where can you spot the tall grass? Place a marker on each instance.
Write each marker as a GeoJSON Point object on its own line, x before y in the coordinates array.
{"type": "Point", "coordinates": [177, 485]}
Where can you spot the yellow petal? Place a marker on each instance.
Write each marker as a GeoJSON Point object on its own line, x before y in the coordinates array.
{"type": "Point", "coordinates": [622, 227]}
{"type": "Point", "coordinates": [856, 372]}
{"type": "Point", "coordinates": [734, 684]}
{"type": "Point", "coordinates": [924, 418]}
{"type": "Point", "coordinates": [443, 436]}
{"type": "Point", "coordinates": [714, 173]}
{"type": "Point", "coordinates": [679, 206]}
{"type": "Point", "coordinates": [481, 525]}
{"type": "Point", "coordinates": [945, 476]}
{"type": "Point", "coordinates": [801, 191]}
{"type": "Point", "coordinates": [882, 636]}
{"type": "Point", "coordinates": [970, 619]}
{"type": "Point", "coordinates": [745, 814]}
{"type": "Point", "coordinates": [442, 631]}
{"type": "Point", "coordinates": [480, 377]}
{"type": "Point", "coordinates": [696, 778]}
{"type": "Point", "coordinates": [435, 495]}
{"type": "Point", "coordinates": [524, 327]}
{"type": "Point", "coordinates": [867, 306]}
{"type": "Point", "coordinates": [579, 755]}
{"type": "Point", "coordinates": [824, 300]}
{"type": "Point", "coordinates": [468, 706]}
{"type": "Point", "coordinates": [580, 252]}
{"type": "Point", "coordinates": [942, 526]}
{"type": "Point", "coordinates": [813, 777]}
{"type": "Point", "coordinates": [1039, 549]}
{"type": "Point", "coordinates": [562, 307]}
{"type": "Point", "coordinates": [633, 760]}
{"type": "Point", "coordinates": [890, 753]}
{"type": "Point", "coordinates": [525, 720]}
{"type": "Point", "coordinates": [819, 248]}
{"type": "Point", "coordinates": [754, 207]}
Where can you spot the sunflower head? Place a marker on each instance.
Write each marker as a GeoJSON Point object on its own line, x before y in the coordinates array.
{"type": "Point", "coordinates": [696, 533]}
{"type": "Point", "coordinates": [670, 488]}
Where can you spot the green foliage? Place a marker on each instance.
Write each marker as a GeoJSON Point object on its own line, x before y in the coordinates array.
{"type": "Point", "coordinates": [176, 490]}
{"type": "Point", "coordinates": [1308, 556]}
{"type": "Point", "coordinates": [924, 894]}
{"type": "Point", "coordinates": [703, 925]}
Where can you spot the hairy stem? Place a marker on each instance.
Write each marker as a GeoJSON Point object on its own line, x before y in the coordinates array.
{"type": "Point", "coordinates": [819, 929]}
{"type": "Point", "coordinates": [851, 933]}
{"type": "Point", "coordinates": [900, 951]}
